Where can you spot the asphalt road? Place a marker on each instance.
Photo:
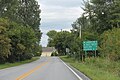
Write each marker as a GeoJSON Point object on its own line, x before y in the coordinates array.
{"type": "Point", "coordinates": [46, 68]}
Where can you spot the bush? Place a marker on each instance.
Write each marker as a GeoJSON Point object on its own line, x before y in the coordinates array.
{"type": "Point", "coordinates": [2, 60]}
{"type": "Point", "coordinates": [37, 50]}
{"type": "Point", "coordinates": [11, 58]}
{"type": "Point", "coordinates": [28, 55]}
{"type": "Point", "coordinates": [37, 54]}
{"type": "Point", "coordinates": [110, 44]}
{"type": "Point", "coordinates": [54, 54]}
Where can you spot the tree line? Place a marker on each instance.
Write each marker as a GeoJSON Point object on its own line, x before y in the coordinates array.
{"type": "Point", "coordinates": [19, 30]}
{"type": "Point", "coordinates": [100, 21]}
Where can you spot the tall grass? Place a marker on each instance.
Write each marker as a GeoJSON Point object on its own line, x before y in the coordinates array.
{"type": "Point", "coordinates": [97, 68]}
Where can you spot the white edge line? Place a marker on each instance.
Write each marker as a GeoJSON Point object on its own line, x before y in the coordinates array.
{"type": "Point", "coordinates": [72, 71]}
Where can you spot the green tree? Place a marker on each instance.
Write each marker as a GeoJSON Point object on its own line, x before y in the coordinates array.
{"type": "Point", "coordinates": [37, 50]}
{"type": "Point", "coordinates": [25, 12]}
{"type": "Point", "coordinates": [9, 9]}
{"type": "Point", "coordinates": [22, 41]}
{"type": "Point", "coordinates": [22, 30]}
{"type": "Point", "coordinates": [102, 14]}
{"type": "Point", "coordinates": [29, 13]}
{"type": "Point", "coordinates": [4, 40]}
{"type": "Point", "coordinates": [51, 34]}
{"type": "Point", "coordinates": [62, 42]}
{"type": "Point", "coordinates": [58, 40]}
{"type": "Point", "coordinates": [110, 44]}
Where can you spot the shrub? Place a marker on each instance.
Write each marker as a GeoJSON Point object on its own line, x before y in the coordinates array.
{"type": "Point", "coordinates": [2, 60]}
{"type": "Point", "coordinates": [28, 55]}
{"type": "Point", "coordinates": [110, 44]}
{"type": "Point", "coordinates": [37, 54]}
{"type": "Point", "coordinates": [54, 54]}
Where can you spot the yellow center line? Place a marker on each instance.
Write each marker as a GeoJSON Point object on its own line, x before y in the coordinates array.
{"type": "Point", "coordinates": [31, 71]}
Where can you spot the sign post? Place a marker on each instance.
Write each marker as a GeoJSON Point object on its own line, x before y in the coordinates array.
{"type": "Point", "coordinates": [90, 46]}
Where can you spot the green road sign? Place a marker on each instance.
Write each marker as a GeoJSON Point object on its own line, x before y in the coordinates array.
{"type": "Point", "coordinates": [90, 45]}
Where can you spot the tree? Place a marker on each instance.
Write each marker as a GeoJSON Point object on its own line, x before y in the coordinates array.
{"type": "Point", "coordinates": [20, 29]}
{"type": "Point", "coordinates": [102, 14]}
{"type": "Point", "coordinates": [51, 34]}
{"type": "Point", "coordinates": [8, 9]}
{"type": "Point", "coordinates": [23, 40]}
{"type": "Point", "coordinates": [37, 50]}
{"type": "Point", "coordinates": [4, 41]}
{"type": "Point", "coordinates": [29, 13]}
{"type": "Point", "coordinates": [58, 40]}
{"type": "Point", "coordinates": [60, 43]}
{"type": "Point", "coordinates": [25, 12]}
{"type": "Point", "coordinates": [110, 44]}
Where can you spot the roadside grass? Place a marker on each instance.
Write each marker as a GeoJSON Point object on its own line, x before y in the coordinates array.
{"type": "Point", "coordinates": [96, 68]}
{"type": "Point", "coordinates": [7, 65]}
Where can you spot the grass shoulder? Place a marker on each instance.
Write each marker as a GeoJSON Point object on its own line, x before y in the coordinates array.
{"type": "Point", "coordinates": [96, 68]}
{"type": "Point", "coordinates": [7, 65]}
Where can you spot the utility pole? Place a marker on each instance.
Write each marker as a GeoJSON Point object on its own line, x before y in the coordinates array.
{"type": "Point", "coordinates": [80, 32]}
{"type": "Point", "coordinates": [80, 35]}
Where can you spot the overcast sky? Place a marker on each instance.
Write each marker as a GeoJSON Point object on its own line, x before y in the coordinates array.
{"type": "Point", "coordinates": [57, 15]}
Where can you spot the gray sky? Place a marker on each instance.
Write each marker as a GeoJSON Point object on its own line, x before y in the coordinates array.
{"type": "Point", "coordinates": [57, 15]}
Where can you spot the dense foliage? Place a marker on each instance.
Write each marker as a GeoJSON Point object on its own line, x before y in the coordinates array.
{"type": "Point", "coordinates": [4, 41]}
{"type": "Point", "coordinates": [110, 44]}
{"type": "Point", "coordinates": [19, 30]}
{"type": "Point", "coordinates": [58, 40]}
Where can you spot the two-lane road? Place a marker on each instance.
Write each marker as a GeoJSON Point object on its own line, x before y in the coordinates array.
{"type": "Point", "coordinates": [46, 68]}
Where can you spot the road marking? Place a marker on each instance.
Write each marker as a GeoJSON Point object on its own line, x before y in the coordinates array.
{"type": "Point", "coordinates": [31, 71]}
{"type": "Point", "coordinates": [72, 71]}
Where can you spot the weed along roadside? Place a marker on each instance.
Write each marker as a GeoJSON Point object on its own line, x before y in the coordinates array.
{"type": "Point", "coordinates": [96, 68]}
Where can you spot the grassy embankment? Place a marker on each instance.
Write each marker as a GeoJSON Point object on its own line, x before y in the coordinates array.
{"type": "Point", "coordinates": [96, 68]}
{"type": "Point", "coordinates": [7, 65]}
